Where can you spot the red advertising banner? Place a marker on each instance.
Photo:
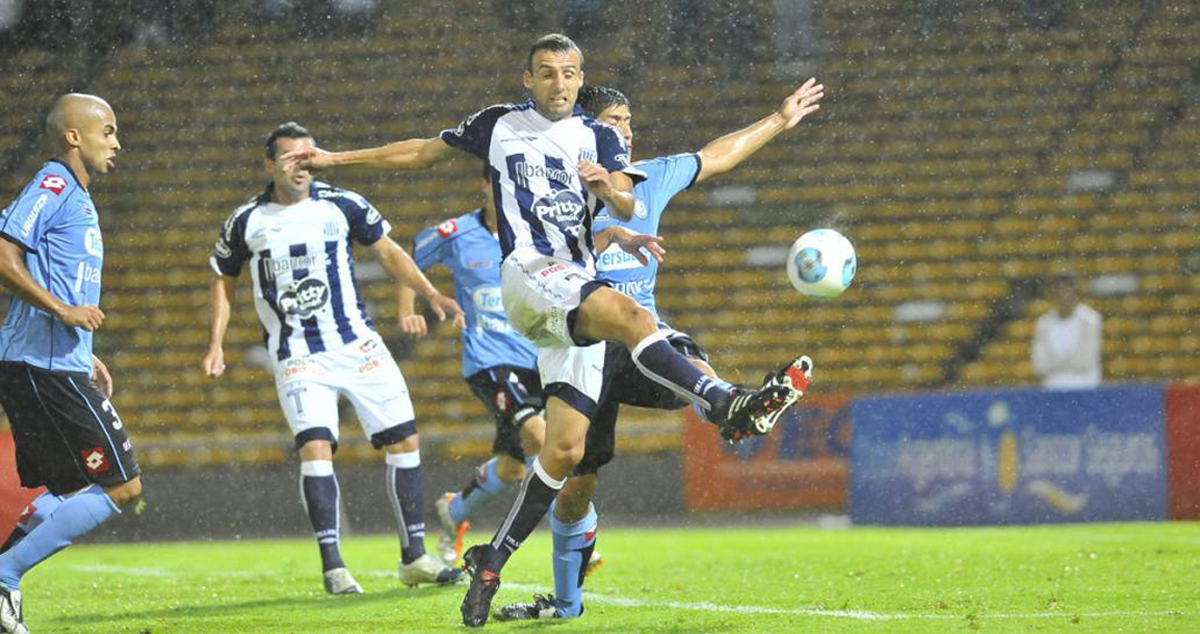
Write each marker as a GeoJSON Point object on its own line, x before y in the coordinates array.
{"type": "Point", "coordinates": [1183, 451]}
{"type": "Point", "coordinates": [13, 498]}
{"type": "Point", "coordinates": [801, 464]}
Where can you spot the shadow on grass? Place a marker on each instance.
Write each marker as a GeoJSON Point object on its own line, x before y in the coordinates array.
{"type": "Point", "coordinates": [306, 602]}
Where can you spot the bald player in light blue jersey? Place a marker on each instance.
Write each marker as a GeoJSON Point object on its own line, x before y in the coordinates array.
{"type": "Point", "coordinates": [573, 518]}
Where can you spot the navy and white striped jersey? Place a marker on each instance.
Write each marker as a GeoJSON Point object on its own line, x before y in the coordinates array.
{"type": "Point", "coordinates": [543, 203]}
{"type": "Point", "coordinates": [302, 266]}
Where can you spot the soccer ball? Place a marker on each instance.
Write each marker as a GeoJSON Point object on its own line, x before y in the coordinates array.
{"type": "Point", "coordinates": [822, 263]}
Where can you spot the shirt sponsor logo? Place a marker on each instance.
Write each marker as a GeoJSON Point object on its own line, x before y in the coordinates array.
{"type": "Point", "coordinates": [93, 242]}
{"type": "Point", "coordinates": [488, 299]}
{"type": "Point", "coordinates": [526, 171]}
{"type": "Point", "coordinates": [587, 155]}
{"type": "Point", "coordinates": [309, 296]}
{"type": "Point", "coordinates": [639, 209]}
{"type": "Point", "coordinates": [275, 266]}
{"type": "Point", "coordinates": [635, 287]}
{"type": "Point", "coordinates": [480, 264]}
{"type": "Point", "coordinates": [564, 208]}
{"type": "Point", "coordinates": [54, 183]}
{"type": "Point", "coordinates": [616, 259]}
{"type": "Point", "coordinates": [33, 215]}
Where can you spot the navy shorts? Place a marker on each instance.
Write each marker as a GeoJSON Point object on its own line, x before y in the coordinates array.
{"type": "Point", "coordinates": [512, 395]}
{"type": "Point", "coordinates": [67, 434]}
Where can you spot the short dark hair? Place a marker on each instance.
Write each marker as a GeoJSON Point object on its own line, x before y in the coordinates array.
{"type": "Point", "coordinates": [556, 42]}
{"type": "Point", "coordinates": [289, 130]}
{"type": "Point", "coordinates": [597, 99]}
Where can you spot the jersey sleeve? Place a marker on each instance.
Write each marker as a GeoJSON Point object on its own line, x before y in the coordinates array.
{"type": "Point", "coordinates": [474, 135]}
{"type": "Point", "coordinates": [671, 174]}
{"type": "Point", "coordinates": [432, 245]}
{"type": "Point", "coordinates": [26, 220]}
{"type": "Point", "coordinates": [367, 225]}
{"type": "Point", "coordinates": [230, 252]}
{"type": "Point", "coordinates": [613, 153]}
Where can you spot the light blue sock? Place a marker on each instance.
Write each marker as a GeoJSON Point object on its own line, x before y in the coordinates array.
{"type": "Point", "coordinates": [39, 509]}
{"type": "Point", "coordinates": [74, 517]}
{"type": "Point", "coordinates": [573, 545]}
{"type": "Point", "coordinates": [487, 487]}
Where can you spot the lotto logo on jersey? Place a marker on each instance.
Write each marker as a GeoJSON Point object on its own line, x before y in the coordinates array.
{"type": "Point", "coordinates": [564, 208]}
{"type": "Point", "coordinates": [94, 460]}
{"type": "Point", "coordinates": [447, 229]}
{"type": "Point", "coordinates": [309, 296]}
{"type": "Point", "coordinates": [54, 183]}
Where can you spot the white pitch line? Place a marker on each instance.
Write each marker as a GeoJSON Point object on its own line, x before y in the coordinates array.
{"type": "Point", "coordinates": [704, 606]}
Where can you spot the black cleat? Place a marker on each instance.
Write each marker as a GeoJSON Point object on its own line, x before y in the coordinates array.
{"type": "Point", "coordinates": [12, 620]}
{"type": "Point", "coordinates": [542, 607]}
{"type": "Point", "coordinates": [755, 412]}
{"type": "Point", "coordinates": [477, 605]}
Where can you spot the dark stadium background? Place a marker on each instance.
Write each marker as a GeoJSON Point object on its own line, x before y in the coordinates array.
{"type": "Point", "coordinates": [969, 150]}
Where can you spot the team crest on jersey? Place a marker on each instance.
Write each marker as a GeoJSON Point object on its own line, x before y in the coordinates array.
{"type": "Point", "coordinates": [54, 183]}
{"type": "Point", "coordinates": [639, 209]}
{"type": "Point", "coordinates": [306, 298]}
{"type": "Point", "coordinates": [94, 460]}
{"type": "Point", "coordinates": [564, 208]}
{"type": "Point", "coordinates": [447, 229]}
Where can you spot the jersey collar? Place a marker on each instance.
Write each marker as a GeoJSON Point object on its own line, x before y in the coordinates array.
{"type": "Point", "coordinates": [68, 168]}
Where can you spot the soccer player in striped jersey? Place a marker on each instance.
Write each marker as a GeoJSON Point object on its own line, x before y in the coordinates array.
{"type": "Point", "coordinates": [552, 169]}
{"type": "Point", "coordinates": [573, 517]}
{"type": "Point", "coordinates": [498, 363]}
{"type": "Point", "coordinates": [55, 393]}
{"type": "Point", "coordinates": [297, 237]}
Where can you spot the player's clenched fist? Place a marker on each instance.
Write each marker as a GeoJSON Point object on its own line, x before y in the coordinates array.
{"type": "Point", "coordinates": [87, 317]}
{"type": "Point", "coordinates": [214, 362]}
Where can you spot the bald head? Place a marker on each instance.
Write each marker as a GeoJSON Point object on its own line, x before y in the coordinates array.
{"type": "Point", "coordinates": [74, 111]}
{"type": "Point", "coordinates": [83, 131]}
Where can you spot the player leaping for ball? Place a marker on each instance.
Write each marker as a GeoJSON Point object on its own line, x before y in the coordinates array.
{"type": "Point", "coordinates": [573, 518]}
{"type": "Point", "coordinates": [551, 169]}
{"type": "Point", "coordinates": [297, 236]}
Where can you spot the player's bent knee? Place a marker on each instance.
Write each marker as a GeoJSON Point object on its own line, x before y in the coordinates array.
{"type": "Point", "coordinates": [126, 492]}
{"type": "Point", "coordinates": [564, 456]}
{"type": "Point", "coordinates": [509, 469]}
{"type": "Point", "coordinates": [408, 445]}
{"type": "Point", "coordinates": [316, 450]}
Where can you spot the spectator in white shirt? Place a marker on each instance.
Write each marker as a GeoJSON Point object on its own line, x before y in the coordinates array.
{"type": "Point", "coordinates": [1066, 343]}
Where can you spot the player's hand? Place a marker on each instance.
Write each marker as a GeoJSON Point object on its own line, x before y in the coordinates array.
{"type": "Point", "coordinates": [801, 103]}
{"type": "Point", "coordinates": [443, 305]}
{"type": "Point", "coordinates": [413, 325]}
{"type": "Point", "coordinates": [633, 243]}
{"type": "Point", "coordinates": [87, 317]}
{"type": "Point", "coordinates": [595, 177]}
{"type": "Point", "coordinates": [214, 362]}
{"type": "Point", "coordinates": [101, 377]}
{"type": "Point", "coordinates": [313, 158]}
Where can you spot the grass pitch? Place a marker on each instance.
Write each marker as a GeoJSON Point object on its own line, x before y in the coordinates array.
{"type": "Point", "coordinates": [1082, 578]}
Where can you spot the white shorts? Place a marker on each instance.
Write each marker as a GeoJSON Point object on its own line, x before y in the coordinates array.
{"type": "Point", "coordinates": [540, 292]}
{"type": "Point", "coordinates": [574, 374]}
{"type": "Point", "coordinates": [365, 372]}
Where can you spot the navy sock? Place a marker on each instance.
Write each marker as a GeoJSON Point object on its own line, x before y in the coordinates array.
{"type": "Point", "coordinates": [320, 494]}
{"type": "Point", "coordinates": [664, 365]}
{"type": "Point", "coordinates": [406, 487]}
{"type": "Point", "coordinates": [537, 493]}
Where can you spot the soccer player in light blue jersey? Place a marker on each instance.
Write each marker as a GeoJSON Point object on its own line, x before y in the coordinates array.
{"type": "Point", "coordinates": [498, 363]}
{"type": "Point", "coordinates": [573, 517]}
{"type": "Point", "coordinates": [55, 392]}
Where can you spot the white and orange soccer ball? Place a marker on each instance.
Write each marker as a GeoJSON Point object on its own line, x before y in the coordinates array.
{"type": "Point", "coordinates": [822, 263]}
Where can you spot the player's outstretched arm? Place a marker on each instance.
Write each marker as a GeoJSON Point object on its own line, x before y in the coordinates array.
{"type": "Point", "coordinates": [16, 278]}
{"type": "Point", "coordinates": [400, 265]}
{"type": "Point", "coordinates": [413, 154]}
{"type": "Point", "coordinates": [631, 242]}
{"type": "Point", "coordinates": [412, 323]}
{"type": "Point", "coordinates": [725, 153]}
{"type": "Point", "coordinates": [220, 299]}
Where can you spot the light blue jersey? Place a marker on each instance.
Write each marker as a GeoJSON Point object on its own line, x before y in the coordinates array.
{"type": "Point", "coordinates": [54, 221]}
{"type": "Point", "coordinates": [665, 177]}
{"type": "Point", "coordinates": [472, 253]}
